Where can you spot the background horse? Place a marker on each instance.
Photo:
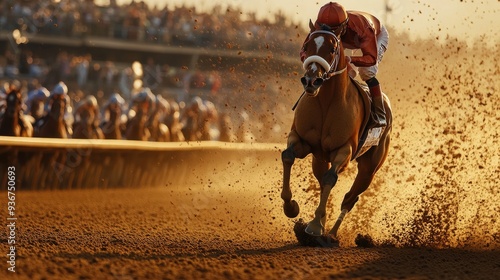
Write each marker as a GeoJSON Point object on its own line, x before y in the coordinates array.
{"type": "Point", "coordinates": [191, 119]}
{"type": "Point", "coordinates": [86, 120]}
{"type": "Point", "coordinates": [13, 121]}
{"type": "Point", "coordinates": [158, 130]}
{"type": "Point", "coordinates": [329, 121]}
{"type": "Point", "coordinates": [36, 102]}
{"type": "Point", "coordinates": [173, 121]}
{"type": "Point", "coordinates": [136, 125]}
{"type": "Point", "coordinates": [52, 125]}
{"type": "Point", "coordinates": [210, 122]}
{"type": "Point", "coordinates": [113, 126]}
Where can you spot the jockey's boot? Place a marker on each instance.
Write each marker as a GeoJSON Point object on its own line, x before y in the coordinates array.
{"type": "Point", "coordinates": [378, 110]}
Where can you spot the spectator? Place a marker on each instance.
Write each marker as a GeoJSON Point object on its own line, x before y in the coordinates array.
{"type": "Point", "coordinates": [152, 77]}
{"type": "Point", "coordinates": [82, 70]}
{"type": "Point", "coordinates": [126, 82]}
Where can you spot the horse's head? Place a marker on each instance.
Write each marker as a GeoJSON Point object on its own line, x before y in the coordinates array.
{"type": "Point", "coordinates": [57, 103]}
{"type": "Point", "coordinates": [144, 101]}
{"type": "Point", "coordinates": [87, 111]}
{"type": "Point", "coordinates": [114, 106]}
{"type": "Point", "coordinates": [323, 51]}
{"type": "Point", "coordinates": [14, 102]}
{"type": "Point", "coordinates": [36, 100]}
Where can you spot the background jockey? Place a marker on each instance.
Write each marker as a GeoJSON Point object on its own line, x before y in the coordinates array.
{"type": "Point", "coordinates": [359, 30]}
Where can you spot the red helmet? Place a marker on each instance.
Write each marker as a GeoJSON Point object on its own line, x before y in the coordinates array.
{"type": "Point", "coordinates": [331, 14]}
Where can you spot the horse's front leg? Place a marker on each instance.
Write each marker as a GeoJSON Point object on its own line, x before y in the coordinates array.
{"type": "Point", "coordinates": [295, 149]}
{"type": "Point", "coordinates": [339, 160]}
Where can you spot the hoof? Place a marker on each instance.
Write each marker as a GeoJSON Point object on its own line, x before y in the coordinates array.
{"type": "Point", "coordinates": [327, 241]}
{"type": "Point", "coordinates": [364, 241]}
{"type": "Point", "coordinates": [305, 239]}
{"type": "Point", "coordinates": [314, 229]}
{"type": "Point", "coordinates": [291, 209]}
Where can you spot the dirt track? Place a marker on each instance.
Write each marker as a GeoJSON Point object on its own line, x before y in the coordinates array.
{"type": "Point", "coordinates": [435, 199]}
{"type": "Point", "coordinates": [182, 233]}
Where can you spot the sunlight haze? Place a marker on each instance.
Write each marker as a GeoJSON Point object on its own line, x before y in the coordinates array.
{"type": "Point", "coordinates": [424, 18]}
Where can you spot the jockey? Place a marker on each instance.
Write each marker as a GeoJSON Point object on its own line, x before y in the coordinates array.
{"type": "Point", "coordinates": [359, 30]}
{"type": "Point", "coordinates": [60, 90]}
{"type": "Point", "coordinates": [145, 99]}
{"type": "Point", "coordinates": [115, 100]}
{"type": "Point", "coordinates": [39, 94]}
{"type": "Point", "coordinates": [117, 104]}
{"type": "Point", "coordinates": [89, 103]}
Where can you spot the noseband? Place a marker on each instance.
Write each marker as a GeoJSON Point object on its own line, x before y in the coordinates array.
{"type": "Point", "coordinates": [329, 67]}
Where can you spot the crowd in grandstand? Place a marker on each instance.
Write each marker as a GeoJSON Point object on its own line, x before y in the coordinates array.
{"type": "Point", "coordinates": [138, 22]}
{"type": "Point", "coordinates": [96, 84]}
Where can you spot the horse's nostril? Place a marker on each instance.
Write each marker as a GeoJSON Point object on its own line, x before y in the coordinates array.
{"type": "Point", "coordinates": [318, 82]}
{"type": "Point", "coordinates": [303, 80]}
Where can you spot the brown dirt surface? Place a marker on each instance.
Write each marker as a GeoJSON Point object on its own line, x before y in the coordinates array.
{"type": "Point", "coordinates": [182, 234]}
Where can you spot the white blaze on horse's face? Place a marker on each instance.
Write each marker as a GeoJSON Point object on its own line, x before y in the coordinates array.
{"type": "Point", "coordinates": [314, 67]}
{"type": "Point", "coordinates": [319, 42]}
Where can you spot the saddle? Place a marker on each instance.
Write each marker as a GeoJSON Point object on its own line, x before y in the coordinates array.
{"type": "Point", "coordinates": [369, 137]}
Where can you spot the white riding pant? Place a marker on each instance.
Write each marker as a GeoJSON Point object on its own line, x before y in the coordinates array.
{"type": "Point", "coordinates": [367, 73]}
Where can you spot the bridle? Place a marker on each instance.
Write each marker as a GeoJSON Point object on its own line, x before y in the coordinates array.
{"type": "Point", "coordinates": [329, 67]}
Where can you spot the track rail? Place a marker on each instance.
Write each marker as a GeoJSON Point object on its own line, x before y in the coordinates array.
{"type": "Point", "coordinates": [46, 163]}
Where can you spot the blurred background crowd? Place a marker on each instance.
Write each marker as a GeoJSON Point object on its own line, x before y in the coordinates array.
{"type": "Point", "coordinates": [187, 90]}
{"type": "Point", "coordinates": [137, 21]}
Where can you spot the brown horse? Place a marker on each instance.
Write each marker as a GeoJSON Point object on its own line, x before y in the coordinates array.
{"type": "Point", "coordinates": [13, 121]}
{"type": "Point", "coordinates": [193, 120]}
{"type": "Point", "coordinates": [113, 126]}
{"type": "Point", "coordinates": [173, 121]}
{"type": "Point", "coordinates": [210, 122]}
{"type": "Point", "coordinates": [86, 120]}
{"type": "Point", "coordinates": [329, 122]}
{"type": "Point", "coordinates": [52, 125]}
{"type": "Point", "coordinates": [136, 125]}
{"type": "Point", "coordinates": [159, 131]}
{"type": "Point", "coordinates": [36, 102]}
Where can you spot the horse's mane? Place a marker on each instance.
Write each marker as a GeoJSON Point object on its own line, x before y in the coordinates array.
{"type": "Point", "coordinates": [325, 27]}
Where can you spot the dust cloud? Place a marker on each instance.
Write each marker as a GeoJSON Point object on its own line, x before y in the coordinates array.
{"type": "Point", "coordinates": [439, 185]}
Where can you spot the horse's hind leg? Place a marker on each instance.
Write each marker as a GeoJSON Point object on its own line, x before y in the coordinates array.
{"type": "Point", "coordinates": [368, 165]}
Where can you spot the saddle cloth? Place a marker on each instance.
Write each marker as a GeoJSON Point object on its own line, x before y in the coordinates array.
{"type": "Point", "coordinates": [368, 137]}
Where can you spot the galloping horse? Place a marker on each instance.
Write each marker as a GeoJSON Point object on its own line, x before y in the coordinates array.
{"type": "Point", "coordinates": [210, 123]}
{"type": "Point", "coordinates": [136, 125]}
{"type": "Point", "coordinates": [192, 119]}
{"type": "Point", "coordinates": [52, 125]}
{"type": "Point", "coordinates": [158, 130]}
{"type": "Point", "coordinates": [173, 122]}
{"type": "Point", "coordinates": [36, 101]}
{"type": "Point", "coordinates": [113, 126]}
{"type": "Point", "coordinates": [330, 122]}
{"type": "Point", "coordinates": [13, 121]}
{"type": "Point", "coordinates": [86, 120]}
